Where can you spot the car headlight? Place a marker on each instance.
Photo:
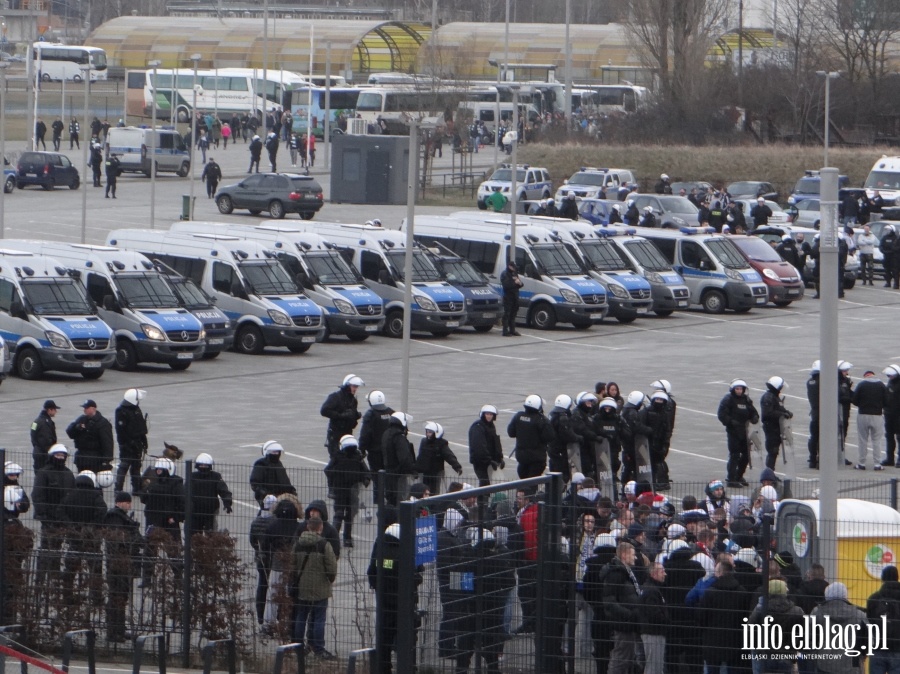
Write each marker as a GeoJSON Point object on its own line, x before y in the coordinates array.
{"type": "Point", "coordinates": [152, 332]}
{"type": "Point", "coordinates": [279, 317]}
{"type": "Point", "coordinates": [770, 273]}
{"type": "Point", "coordinates": [653, 277]}
{"type": "Point", "coordinates": [469, 302]}
{"type": "Point", "coordinates": [344, 307]}
{"type": "Point", "coordinates": [426, 303]}
{"type": "Point", "coordinates": [570, 296]}
{"type": "Point", "coordinates": [202, 334]}
{"type": "Point", "coordinates": [732, 274]}
{"type": "Point", "coordinates": [58, 340]}
{"type": "Point", "coordinates": [618, 291]}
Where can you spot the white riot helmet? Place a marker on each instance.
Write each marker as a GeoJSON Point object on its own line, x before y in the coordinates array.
{"type": "Point", "coordinates": [90, 475]}
{"type": "Point", "coordinates": [662, 385]}
{"type": "Point", "coordinates": [776, 383]}
{"type": "Point", "coordinates": [659, 395]}
{"type": "Point", "coordinates": [163, 463]}
{"type": "Point", "coordinates": [563, 401]}
{"type": "Point", "coordinates": [135, 395]}
{"type": "Point", "coordinates": [369, 223]}
{"type": "Point", "coordinates": [269, 501]}
{"type": "Point", "coordinates": [105, 478]}
{"type": "Point", "coordinates": [815, 367]}
{"type": "Point", "coordinates": [892, 371]}
{"type": "Point", "coordinates": [488, 409]}
{"type": "Point", "coordinates": [272, 447]}
{"type": "Point", "coordinates": [664, 177]}
{"type": "Point", "coordinates": [635, 398]}
{"type": "Point", "coordinates": [10, 468]}
{"type": "Point", "coordinates": [617, 208]}
{"type": "Point", "coordinates": [376, 222]}
{"type": "Point", "coordinates": [736, 383]}
{"type": "Point", "coordinates": [844, 366]}
{"type": "Point", "coordinates": [58, 448]}
{"type": "Point", "coordinates": [608, 402]}
{"type": "Point", "coordinates": [534, 402]}
{"type": "Point", "coordinates": [585, 397]}
{"type": "Point", "coordinates": [12, 496]}
{"type": "Point", "coordinates": [377, 399]}
{"type": "Point", "coordinates": [393, 530]}
{"type": "Point", "coordinates": [204, 459]}
{"type": "Point", "coordinates": [403, 418]}
{"type": "Point", "coordinates": [629, 203]}
{"type": "Point", "coordinates": [648, 209]}
{"type": "Point", "coordinates": [435, 428]}
{"type": "Point", "coordinates": [348, 441]}
{"type": "Point", "coordinates": [352, 380]}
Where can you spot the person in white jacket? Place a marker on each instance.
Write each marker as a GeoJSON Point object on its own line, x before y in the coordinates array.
{"type": "Point", "coordinates": [866, 242]}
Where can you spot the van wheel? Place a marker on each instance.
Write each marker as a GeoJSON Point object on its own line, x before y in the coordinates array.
{"type": "Point", "coordinates": [714, 302]}
{"type": "Point", "coordinates": [783, 303]}
{"type": "Point", "coordinates": [211, 355]}
{"type": "Point", "coordinates": [664, 313]}
{"type": "Point", "coordinates": [393, 325]}
{"type": "Point", "coordinates": [225, 204]}
{"type": "Point", "coordinates": [276, 209]}
{"type": "Point", "coordinates": [75, 184]}
{"type": "Point", "coordinates": [483, 328]}
{"type": "Point", "coordinates": [28, 365]}
{"type": "Point", "coordinates": [543, 317]}
{"type": "Point", "coordinates": [46, 77]}
{"type": "Point", "coordinates": [10, 185]}
{"type": "Point", "coordinates": [180, 365]}
{"type": "Point", "coordinates": [581, 325]}
{"type": "Point", "coordinates": [300, 348]}
{"type": "Point", "coordinates": [49, 185]}
{"type": "Point", "coordinates": [626, 318]}
{"type": "Point", "coordinates": [126, 356]}
{"type": "Point", "coordinates": [249, 340]}
{"type": "Point", "coordinates": [849, 283]}
{"type": "Point", "coordinates": [183, 170]}
{"type": "Point", "coordinates": [307, 215]}
{"type": "Point", "coordinates": [182, 114]}
{"type": "Point", "coordinates": [91, 375]}
{"type": "Point", "coordinates": [358, 336]}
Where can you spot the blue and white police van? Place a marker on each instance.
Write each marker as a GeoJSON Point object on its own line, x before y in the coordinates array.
{"type": "Point", "coordinates": [133, 299]}
{"type": "Point", "coordinates": [379, 254]}
{"type": "Point", "coordinates": [317, 267]}
{"type": "Point", "coordinates": [556, 288]}
{"type": "Point", "coordinates": [248, 283]}
{"type": "Point", "coordinates": [47, 321]}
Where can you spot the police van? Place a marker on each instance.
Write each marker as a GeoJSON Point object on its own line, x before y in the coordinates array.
{"type": "Point", "coordinates": [629, 293]}
{"type": "Point", "coordinates": [135, 146]}
{"type": "Point", "coordinates": [668, 289]}
{"type": "Point", "coordinates": [555, 290]}
{"type": "Point", "coordinates": [531, 183]}
{"type": "Point", "coordinates": [350, 308]}
{"type": "Point", "coordinates": [46, 320]}
{"type": "Point", "coordinates": [134, 299]}
{"type": "Point", "coordinates": [437, 307]}
{"type": "Point", "coordinates": [246, 280]}
{"type": "Point", "coordinates": [717, 274]}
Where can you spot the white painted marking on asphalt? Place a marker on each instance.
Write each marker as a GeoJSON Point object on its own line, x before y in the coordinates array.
{"type": "Point", "coordinates": [246, 504]}
{"type": "Point", "coordinates": [747, 322]}
{"type": "Point", "coordinates": [306, 458]}
{"type": "Point", "coordinates": [474, 353]}
{"type": "Point", "coordinates": [568, 343]}
{"type": "Point", "coordinates": [673, 332]}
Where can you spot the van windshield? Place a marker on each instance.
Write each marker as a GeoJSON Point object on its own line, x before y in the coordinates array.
{"type": "Point", "coordinates": [267, 277]}
{"type": "Point", "coordinates": [726, 253]}
{"type": "Point", "coordinates": [556, 259]}
{"type": "Point", "coordinates": [883, 180]}
{"type": "Point", "coordinates": [757, 249]}
{"type": "Point", "coordinates": [191, 296]}
{"type": "Point", "coordinates": [147, 291]}
{"type": "Point", "coordinates": [62, 297]}
{"type": "Point", "coordinates": [459, 270]}
{"type": "Point", "coordinates": [603, 256]}
{"type": "Point", "coordinates": [330, 269]}
{"type": "Point", "coordinates": [422, 269]}
{"type": "Point", "coordinates": [647, 255]}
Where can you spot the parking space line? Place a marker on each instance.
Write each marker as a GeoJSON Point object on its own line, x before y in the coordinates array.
{"type": "Point", "coordinates": [673, 332]}
{"type": "Point", "coordinates": [567, 342]}
{"type": "Point", "coordinates": [306, 458]}
{"type": "Point", "coordinates": [474, 353]}
{"type": "Point", "coordinates": [749, 322]}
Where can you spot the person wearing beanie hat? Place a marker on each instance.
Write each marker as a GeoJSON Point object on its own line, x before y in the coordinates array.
{"type": "Point", "coordinates": [124, 545]}
{"type": "Point", "coordinates": [811, 591]}
{"type": "Point", "coordinates": [43, 434]}
{"type": "Point", "coordinates": [786, 615]}
{"type": "Point", "coordinates": [840, 612]}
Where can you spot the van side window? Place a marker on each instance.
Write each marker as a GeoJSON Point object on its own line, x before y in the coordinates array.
{"type": "Point", "coordinates": [98, 287]}
{"type": "Point", "coordinates": [8, 295]}
{"type": "Point", "coordinates": [371, 264]}
{"type": "Point", "coordinates": [223, 277]}
{"type": "Point", "coordinates": [166, 141]}
{"type": "Point", "coordinates": [692, 255]}
{"type": "Point", "coordinates": [666, 247]}
{"type": "Point", "coordinates": [522, 259]}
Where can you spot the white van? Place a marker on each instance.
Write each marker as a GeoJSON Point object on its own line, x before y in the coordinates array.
{"type": "Point", "coordinates": [134, 145]}
{"type": "Point", "coordinates": [716, 272]}
{"type": "Point", "coordinates": [556, 289]}
{"type": "Point", "coordinates": [47, 320]}
{"type": "Point", "coordinates": [133, 299]}
{"type": "Point", "coordinates": [246, 280]}
{"type": "Point", "coordinates": [351, 309]}
{"type": "Point", "coordinates": [379, 254]}
{"type": "Point", "coordinates": [486, 112]}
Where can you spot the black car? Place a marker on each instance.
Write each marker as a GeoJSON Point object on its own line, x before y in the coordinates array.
{"type": "Point", "coordinates": [47, 169]}
{"type": "Point", "coordinates": [278, 193]}
{"type": "Point", "coordinates": [751, 189]}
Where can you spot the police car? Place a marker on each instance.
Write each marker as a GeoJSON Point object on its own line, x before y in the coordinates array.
{"type": "Point", "coordinates": [531, 183]}
{"type": "Point", "coordinates": [587, 181]}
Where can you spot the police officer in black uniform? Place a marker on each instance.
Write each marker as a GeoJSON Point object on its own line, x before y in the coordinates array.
{"type": "Point", "coordinates": [113, 170]}
{"type": "Point", "coordinates": [773, 410]}
{"type": "Point", "coordinates": [485, 449]}
{"type": "Point", "coordinates": [533, 435]}
{"type": "Point", "coordinates": [656, 417]}
{"type": "Point", "coordinates": [43, 434]}
{"type": "Point", "coordinates": [563, 435]}
{"type": "Point", "coordinates": [340, 408]}
{"type": "Point", "coordinates": [269, 475]}
{"type": "Point", "coordinates": [51, 484]}
{"type": "Point", "coordinates": [812, 394]}
{"type": "Point", "coordinates": [124, 544]}
{"type": "Point", "coordinates": [164, 500]}
{"type": "Point", "coordinates": [735, 411]}
{"type": "Point", "coordinates": [207, 489]}
{"type": "Point", "coordinates": [511, 284]}
{"type": "Point", "coordinates": [374, 423]}
{"type": "Point", "coordinates": [583, 417]}
{"type": "Point", "coordinates": [608, 425]}
{"type": "Point", "coordinates": [93, 436]}
{"type": "Point", "coordinates": [399, 458]}
{"type": "Point", "coordinates": [131, 432]}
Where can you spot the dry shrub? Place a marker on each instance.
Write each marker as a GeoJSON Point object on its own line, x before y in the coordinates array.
{"type": "Point", "coordinates": [217, 578]}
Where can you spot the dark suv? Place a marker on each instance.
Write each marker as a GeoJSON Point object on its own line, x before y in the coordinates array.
{"type": "Point", "coordinates": [278, 193]}
{"type": "Point", "coordinates": [47, 169]}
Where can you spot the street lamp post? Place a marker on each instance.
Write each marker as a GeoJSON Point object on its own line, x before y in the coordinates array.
{"type": "Point", "coordinates": [86, 78]}
{"type": "Point", "coordinates": [567, 107]}
{"type": "Point", "coordinates": [828, 77]}
{"type": "Point", "coordinates": [155, 65]}
{"type": "Point", "coordinates": [3, 66]}
{"type": "Point", "coordinates": [513, 189]}
{"type": "Point", "coordinates": [193, 121]}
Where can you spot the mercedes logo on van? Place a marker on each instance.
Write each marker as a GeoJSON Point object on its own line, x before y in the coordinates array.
{"type": "Point", "coordinates": [92, 343]}
{"type": "Point", "coordinates": [371, 309]}
{"type": "Point", "coordinates": [307, 320]}
{"type": "Point", "coordinates": [452, 306]}
{"type": "Point", "coordinates": [596, 300]}
{"type": "Point", "coordinates": [185, 336]}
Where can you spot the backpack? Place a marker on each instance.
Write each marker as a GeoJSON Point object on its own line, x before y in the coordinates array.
{"type": "Point", "coordinates": [891, 609]}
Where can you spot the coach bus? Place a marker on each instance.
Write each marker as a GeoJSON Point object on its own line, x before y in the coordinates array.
{"type": "Point", "coordinates": [308, 102]}
{"type": "Point", "coordinates": [56, 62]}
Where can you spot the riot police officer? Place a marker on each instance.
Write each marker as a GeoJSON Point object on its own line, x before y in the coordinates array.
{"type": "Point", "coordinates": [207, 489]}
{"type": "Point", "coordinates": [773, 410]}
{"type": "Point", "coordinates": [736, 410]}
{"type": "Point", "coordinates": [533, 435]}
{"type": "Point", "coordinates": [563, 435]}
{"type": "Point", "coordinates": [131, 432]}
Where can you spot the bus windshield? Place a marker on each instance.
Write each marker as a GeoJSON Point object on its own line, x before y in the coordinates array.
{"type": "Point", "coordinates": [422, 269]}
{"type": "Point", "coordinates": [459, 270]}
{"type": "Point", "coordinates": [603, 255]}
{"type": "Point", "coordinates": [268, 277]}
{"type": "Point", "coordinates": [191, 295]}
{"type": "Point", "coordinates": [555, 259]}
{"type": "Point", "coordinates": [727, 253]}
{"type": "Point", "coordinates": [369, 102]}
{"type": "Point", "coordinates": [330, 269]}
{"type": "Point", "coordinates": [647, 255]}
{"type": "Point", "coordinates": [147, 291]}
{"type": "Point", "coordinates": [60, 297]}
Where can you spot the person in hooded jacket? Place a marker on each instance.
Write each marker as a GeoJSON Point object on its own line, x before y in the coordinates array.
{"type": "Point", "coordinates": [563, 435]}
{"type": "Point", "coordinates": [276, 544]}
{"type": "Point", "coordinates": [131, 434]}
{"type": "Point", "coordinates": [656, 417]}
{"type": "Point", "coordinates": [485, 449]}
{"type": "Point", "coordinates": [533, 435]}
{"type": "Point", "coordinates": [682, 574]}
{"type": "Point", "coordinates": [269, 475]}
{"type": "Point", "coordinates": [399, 458]}
{"type": "Point", "coordinates": [773, 411]}
{"type": "Point", "coordinates": [582, 425]}
{"type": "Point", "coordinates": [82, 509]}
{"type": "Point", "coordinates": [736, 410]}
{"type": "Point", "coordinates": [318, 508]}
{"type": "Point", "coordinates": [349, 474]}
{"type": "Point", "coordinates": [720, 615]}
{"type": "Point", "coordinates": [785, 614]}
{"type": "Point", "coordinates": [207, 489]}
{"type": "Point", "coordinates": [434, 452]}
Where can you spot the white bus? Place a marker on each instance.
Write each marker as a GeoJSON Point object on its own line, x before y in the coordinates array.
{"type": "Point", "coordinates": [341, 105]}
{"type": "Point", "coordinates": [222, 90]}
{"type": "Point", "coordinates": [64, 62]}
{"type": "Point", "coordinates": [610, 98]}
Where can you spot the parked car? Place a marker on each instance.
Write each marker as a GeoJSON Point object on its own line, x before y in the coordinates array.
{"type": "Point", "coordinates": [809, 186]}
{"type": "Point", "coordinates": [773, 233]}
{"type": "Point", "coordinates": [532, 183]}
{"type": "Point", "coordinates": [751, 189]}
{"type": "Point", "coordinates": [587, 182]}
{"type": "Point", "coordinates": [673, 212]}
{"type": "Point", "coordinates": [805, 212]}
{"type": "Point", "coordinates": [703, 188]}
{"type": "Point", "coordinates": [781, 278]}
{"type": "Point", "coordinates": [596, 211]}
{"type": "Point", "coordinates": [778, 217]}
{"type": "Point", "coordinates": [47, 169]}
{"type": "Point", "coordinates": [9, 178]}
{"type": "Point", "coordinates": [278, 193]}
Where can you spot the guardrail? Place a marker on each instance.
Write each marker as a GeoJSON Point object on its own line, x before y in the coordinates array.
{"type": "Point", "coordinates": [160, 652]}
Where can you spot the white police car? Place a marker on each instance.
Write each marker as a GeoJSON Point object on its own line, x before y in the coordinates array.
{"type": "Point", "coordinates": [587, 181]}
{"type": "Point", "coordinates": [531, 183]}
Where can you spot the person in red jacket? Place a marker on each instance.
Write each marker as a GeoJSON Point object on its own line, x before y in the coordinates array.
{"type": "Point", "coordinates": [527, 572]}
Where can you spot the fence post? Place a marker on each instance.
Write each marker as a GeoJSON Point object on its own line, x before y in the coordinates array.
{"type": "Point", "coordinates": [894, 493]}
{"type": "Point", "coordinates": [160, 640]}
{"type": "Point", "coordinates": [380, 482]}
{"type": "Point", "coordinates": [355, 655]}
{"type": "Point", "coordinates": [188, 564]}
{"type": "Point", "coordinates": [207, 654]}
{"type": "Point", "coordinates": [68, 643]}
{"type": "Point", "coordinates": [406, 576]}
{"type": "Point", "coordinates": [287, 648]}
{"type": "Point", "coordinates": [3, 553]}
{"type": "Point", "coordinates": [787, 492]}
